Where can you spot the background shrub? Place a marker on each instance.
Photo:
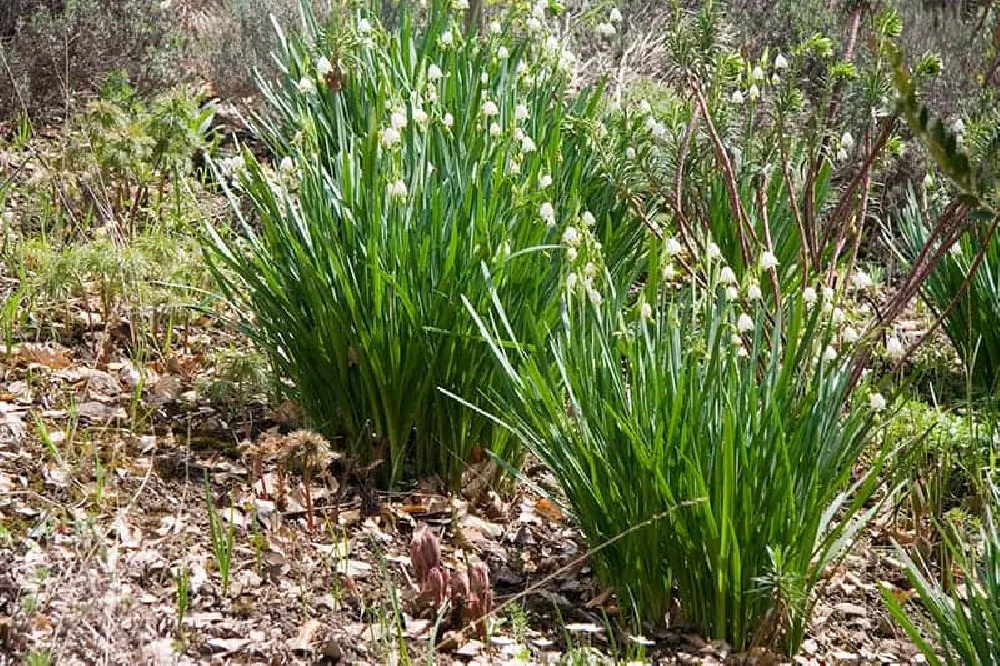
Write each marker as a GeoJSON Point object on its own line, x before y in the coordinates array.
{"type": "Point", "coordinates": [57, 50]}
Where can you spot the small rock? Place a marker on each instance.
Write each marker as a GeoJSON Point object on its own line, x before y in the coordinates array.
{"type": "Point", "coordinates": [332, 649]}
{"type": "Point", "coordinates": [843, 657]}
{"type": "Point", "coordinates": [97, 411]}
{"type": "Point", "coordinates": [303, 640]}
{"type": "Point", "coordinates": [851, 610]}
{"type": "Point", "coordinates": [226, 645]}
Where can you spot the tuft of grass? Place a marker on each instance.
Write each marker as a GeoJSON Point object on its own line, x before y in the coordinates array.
{"type": "Point", "coordinates": [222, 539]}
{"type": "Point", "coordinates": [411, 160]}
{"type": "Point", "coordinates": [969, 317]}
{"type": "Point", "coordinates": [685, 393]}
{"type": "Point", "coordinates": [965, 620]}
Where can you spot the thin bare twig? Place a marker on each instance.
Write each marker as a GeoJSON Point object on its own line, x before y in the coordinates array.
{"type": "Point", "coordinates": [577, 561]}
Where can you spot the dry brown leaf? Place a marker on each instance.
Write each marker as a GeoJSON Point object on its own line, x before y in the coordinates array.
{"type": "Point", "coordinates": [57, 359]}
{"type": "Point", "coordinates": [548, 509]}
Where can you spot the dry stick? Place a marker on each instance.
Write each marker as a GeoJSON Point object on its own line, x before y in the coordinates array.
{"type": "Point", "coordinates": [922, 266]}
{"type": "Point", "coordinates": [682, 220]}
{"type": "Point", "coordinates": [859, 220]}
{"type": "Point", "coordinates": [580, 560]}
{"type": "Point", "coordinates": [786, 173]}
{"type": "Point", "coordinates": [852, 39]}
{"type": "Point", "coordinates": [958, 295]}
{"type": "Point", "coordinates": [864, 173]}
{"type": "Point", "coordinates": [728, 176]}
{"type": "Point", "coordinates": [862, 216]}
{"type": "Point", "coordinates": [814, 166]}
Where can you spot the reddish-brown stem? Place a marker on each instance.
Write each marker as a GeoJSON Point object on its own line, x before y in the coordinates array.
{"type": "Point", "coordinates": [805, 247]}
{"type": "Point", "coordinates": [306, 478]}
{"type": "Point", "coordinates": [958, 295]}
{"type": "Point", "coordinates": [728, 175]}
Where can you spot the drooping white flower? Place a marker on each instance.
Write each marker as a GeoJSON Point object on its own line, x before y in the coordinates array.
{"type": "Point", "coordinates": [615, 15]}
{"type": "Point", "coordinates": [894, 347]}
{"type": "Point", "coordinates": [286, 164]}
{"type": "Point", "coordinates": [460, 4]}
{"type": "Point", "coordinates": [732, 292]}
{"type": "Point", "coordinates": [630, 153]}
{"type": "Point", "coordinates": [606, 29]}
{"type": "Point", "coordinates": [484, 77]}
{"type": "Point", "coordinates": [809, 295]}
{"type": "Point", "coordinates": [742, 352]}
{"type": "Point", "coordinates": [737, 97]}
{"type": "Point", "coordinates": [849, 335]}
{"type": "Point", "coordinates": [521, 112]}
{"type": "Point", "coordinates": [533, 24]}
{"type": "Point", "coordinates": [828, 293]}
{"type": "Point", "coordinates": [420, 115]}
{"type": "Point", "coordinates": [364, 26]}
{"type": "Point", "coordinates": [490, 108]}
{"type": "Point", "coordinates": [538, 9]}
{"type": "Point", "coordinates": [503, 53]}
{"type": "Point", "coordinates": [595, 297]}
{"type": "Point", "coordinates": [753, 292]}
{"type": "Point", "coordinates": [398, 119]}
{"type": "Point", "coordinates": [588, 218]}
{"type": "Point", "coordinates": [829, 354]}
{"type": "Point", "coordinates": [645, 108]}
{"type": "Point", "coordinates": [744, 323]}
{"type": "Point", "coordinates": [590, 270]}
{"type": "Point", "coordinates": [847, 141]}
{"type": "Point", "coordinates": [727, 275]}
{"type": "Point", "coordinates": [877, 402]}
{"type": "Point", "coordinates": [668, 273]}
{"type": "Point", "coordinates": [571, 236]}
{"type": "Point", "coordinates": [495, 28]}
{"type": "Point", "coordinates": [306, 85]}
{"type": "Point", "coordinates": [446, 38]}
{"type": "Point", "coordinates": [780, 62]}
{"type": "Point", "coordinates": [519, 134]}
{"type": "Point", "coordinates": [713, 251]}
{"type": "Point", "coordinates": [571, 253]}
{"type": "Point", "coordinates": [544, 181]}
{"type": "Point", "coordinates": [397, 190]}
{"type": "Point", "coordinates": [958, 126]}
{"type": "Point", "coordinates": [323, 66]}
{"type": "Point", "coordinates": [646, 310]}
{"type": "Point", "coordinates": [495, 130]}
{"type": "Point", "coordinates": [757, 74]}
{"type": "Point", "coordinates": [861, 280]}
{"type": "Point", "coordinates": [571, 281]}
{"type": "Point", "coordinates": [547, 213]}
{"type": "Point", "coordinates": [838, 316]}
{"type": "Point", "coordinates": [768, 261]}
{"type": "Point", "coordinates": [552, 45]}
{"type": "Point", "coordinates": [448, 120]}
{"type": "Point", "coordinates": [390, 136]}
{"type": "Point", "coordinates": [753, 93]}
{"type": "Point", "coordinates": [434, 73]}
{"type": "Point", "coordinates": [672, 247]}
{"type": "Point", "coordinates": [775, 79]}
{"type": "Point", "coordinates": [528, 145]}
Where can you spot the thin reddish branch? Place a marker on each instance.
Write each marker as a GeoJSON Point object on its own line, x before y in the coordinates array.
{"type": "Point", "coordinates": [973, 268]}
{"type": "Point", "coordinates": [728, 175]}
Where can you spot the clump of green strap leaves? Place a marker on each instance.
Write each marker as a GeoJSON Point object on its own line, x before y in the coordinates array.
{"type": "Point", "coordinates": [724, 423]}
{"type": "Point", "coordinates": [418, 158]}
{"type": "Point", "coordinates": [964, 617]}
{"type": "Point", "coordinates": [963, 289]}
